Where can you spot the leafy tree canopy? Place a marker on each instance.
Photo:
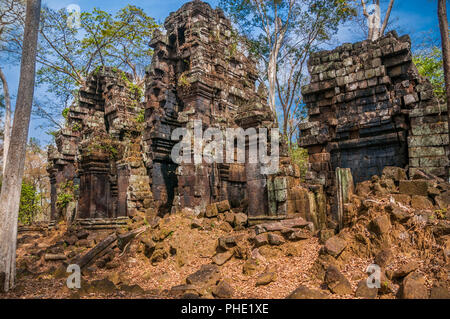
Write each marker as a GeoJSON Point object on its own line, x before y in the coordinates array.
{"type": "Point", "coordinates": [282, 34]}
{"type": "Point", "coordinates": [68, 54]}
{"type": "Point", "coordinates": [429, 64]}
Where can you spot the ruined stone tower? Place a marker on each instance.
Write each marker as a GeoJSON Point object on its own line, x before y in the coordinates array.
{"type": "Point", "coordinates": [369, 108]}
{"type": "Point", "coordinates": [197, 73]}
{"type": "Point", "coordinates": [97, 162]}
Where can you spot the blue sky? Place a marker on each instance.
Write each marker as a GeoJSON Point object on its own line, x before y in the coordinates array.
{"type": "Point", "coordinates": [412, 16]}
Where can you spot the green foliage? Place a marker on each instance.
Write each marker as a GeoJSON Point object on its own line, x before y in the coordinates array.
{"type": "Point", "coordinates": [300, 157]}
{"type": "Point", "coordinates": [305, 25]}
{"type": "Point", "coordinates": [135, 89]}
{"type": "Point", "coordinates": [234, 44]}
{"type": "Point", "coordinates": [106, 146]}
{"type": "Point", "coordinates": [65, 113]}
{"type": "Point", "coordinates": [429, 64]}
{"type": "Point", "coordinates": [66, 194]}
{"type": "Point", "coordinates": [183, 80]}
{"type": "Point", "coordinates": [29, 200]}
{"type": "Point", "coordinates": [141, 116]}
{"type": "Point", "coordinates": [66, 56]}
{"type": "Point", "coordinates": [76, 127]}
{"type": "Point", "coordinates": [113, 151]}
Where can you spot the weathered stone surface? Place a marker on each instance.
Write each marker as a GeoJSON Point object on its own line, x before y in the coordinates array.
{"type": "Point", "coordinates": [414, 187]}
{"type": "Point", "coordinates": [443, 200]}
{"type": "Point", "coordinates": [405, 269]}
{"type": "Point", "coordinates": [381, 225]}
{"type": "Point", "coordinates": [398, 214]}
{"type": "Point", "coordinates": [240, 219]}
{"type": "Point", "coordinates": [197, 223]}
{"type": "Point", "coordinates": [325, 234]}
{"type": "Point", "coordinates": [116, 145]}
{"type": "Point", "coordinates": [229, 218]}
{"type": "Point", "coordinates": [303, 292]}
{"type": "Point", "coordinates": [337, 282]}
{"type": "Point", "coordinates": [439, 292]}
{"type": "Point", "coordinates": [70, 240]}
{"type": "Point", "coordinates": [299, 235]}
{"type": "Point", "coordinates": [275, 239]}
{"type": "Point", "coordinates": [149, 246]}
{"type": "Point", "coordinates": [207, 275]}
{"type": "Point", "coordinates": [241, 252]}
{"type": "Point", "coordinates": [363, 291]}
{"type": "Point", "coordinates": [363, 189]}
{"type": "Point", "coordinates": [251, 267]}
{"type": "Point", "coordinates": [161, 252]}
{"type": "Point", "coordinates": [211, 211]}
{"type": "Point", "coordinates": [369, 110]}
{"type": "Point", "coordinates": [261, 240]}
{"type": "Point", "coordinates": [395, 173]}
{"type": "Point", "coordinates": [54, 257]}
{"type": "Point", "coordinates": [383, 258]}
{"type": "Point", "coordinates": [402, 198]}
{"type": "Point", "coordinates": [223, 290]}
{"type": "Point", "coordinates": [222, 258]}
{"type": "Point", "coordinates": [421, 203]}
{"type": "Point", "coordinates": [413, 287]}
{"type": "Point", "coordinates": [184, 292]}
{"type": "Point", "coordinates": [134, 289]}
{"type": "Point", "coordinates": [225, 243]}
{"type": "Point", "coordinates": [266, 278]}
{"type": "Point", "coordinates": [442, 228]}
{"type": "Point", "coordinates": [223, 206]}
{"type": "Point", "coordinates": [335, 245]}
{"type": "Point", "coordinates": [283, 225]}
{"type": "Point", "coordinates": [101, 286]}
{"type": "Point", "coordinates": [345, 189]}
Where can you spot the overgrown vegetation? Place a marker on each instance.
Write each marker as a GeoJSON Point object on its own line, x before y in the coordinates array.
{"type": "Point", "coordinates": [29, 199]}
{"type": "Point", "coordinates": [140, 118]}
{"type": "Point", "coordinates": [135, 89]}
{"type": "Point", "coordinates": [29, 203]}
{"type": "Point", "coordinates": [66, 194]}
{"type": "Point", "coordinates": [104, 144]}
{"type": "Point", "coordinates": [65, 113]}
{"type": "Point", "coordinates": [299, 156]}
{"type": "Point", "coordinates": [429, 64]}
{"type": "Point", "coordinates": [183, 80]}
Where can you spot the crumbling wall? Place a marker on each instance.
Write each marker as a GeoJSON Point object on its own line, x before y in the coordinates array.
{"type": "Point", "coordinates": [97, 160]}
{"type": "Point", "coordinates": [369, 108]}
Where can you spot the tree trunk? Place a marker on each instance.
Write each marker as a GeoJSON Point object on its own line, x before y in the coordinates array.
{"type": "Point", "coordinates": [271, 75]}
{"type": "Point", "coordinates": [7, 131]}
{"type": "Point", "coordinates": [376, 30]}
{"type": "Point", "coordinates": [443, 25]}
{"type": "Point", "coordinates": [12, 180]}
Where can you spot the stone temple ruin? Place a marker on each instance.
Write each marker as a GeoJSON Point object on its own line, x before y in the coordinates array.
{"type": "Point", "coordinates": [368, 108]}
{"type": "Point", "coordinates": [114, 154]}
